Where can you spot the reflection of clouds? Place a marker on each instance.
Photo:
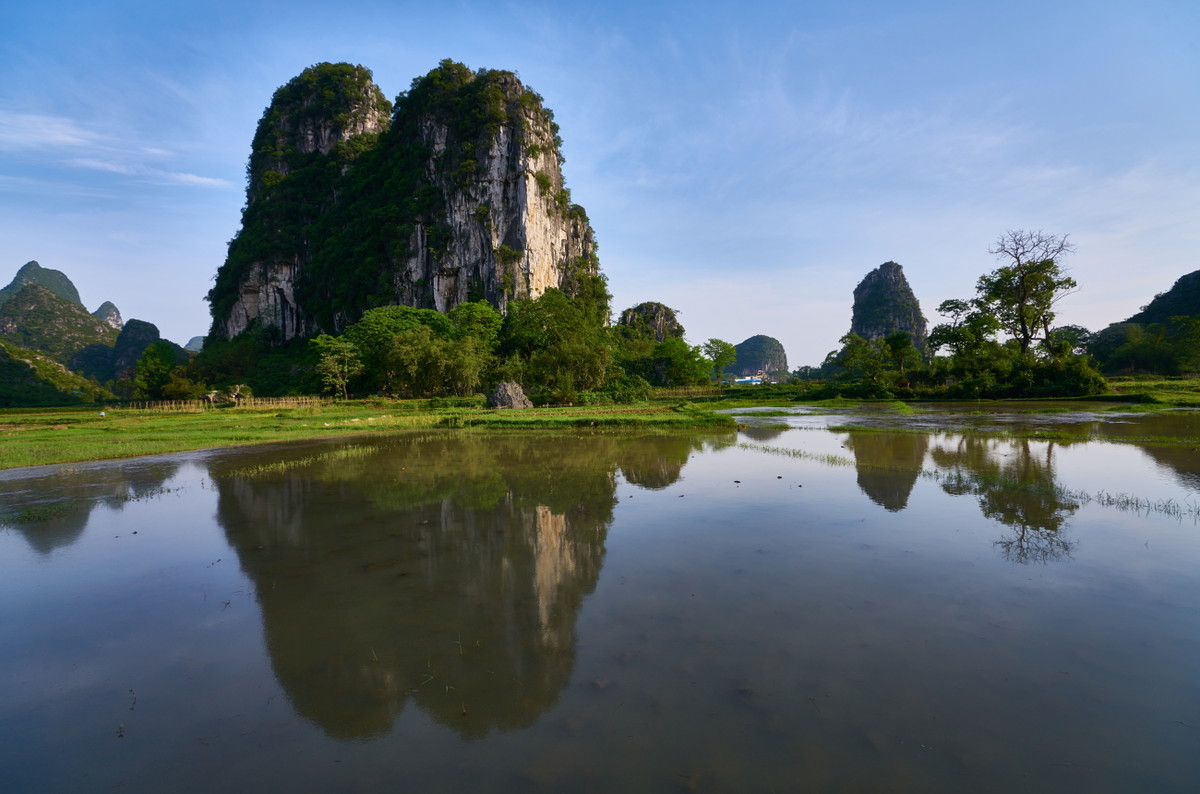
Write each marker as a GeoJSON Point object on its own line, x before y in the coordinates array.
{"type": "Point", "coordinates": [50, 507]}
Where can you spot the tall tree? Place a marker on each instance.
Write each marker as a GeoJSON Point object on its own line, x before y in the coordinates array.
{"type": "Point", "coordinates": [1022, 294]}
{"type": "Point", "coordinates": [722, 354]}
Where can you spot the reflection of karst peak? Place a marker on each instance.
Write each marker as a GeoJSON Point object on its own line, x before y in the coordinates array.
{"type": "Point", "coordinates": [888, 465]}
{"type": "Point", "coordinates": [443, 569]}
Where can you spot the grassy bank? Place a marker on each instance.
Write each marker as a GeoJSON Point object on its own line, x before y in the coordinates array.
{"type": "Point", "coordinates": [42, 436]}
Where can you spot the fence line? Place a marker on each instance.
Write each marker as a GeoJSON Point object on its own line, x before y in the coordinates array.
{"type": "Point", "coordinates": [196, 406]}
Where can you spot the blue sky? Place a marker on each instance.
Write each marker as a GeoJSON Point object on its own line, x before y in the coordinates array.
{"type": "Point", "coordinates": [745, 163]}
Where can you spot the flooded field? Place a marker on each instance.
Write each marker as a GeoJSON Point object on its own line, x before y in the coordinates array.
{"type": "Point", "coordinates": [938, 600]}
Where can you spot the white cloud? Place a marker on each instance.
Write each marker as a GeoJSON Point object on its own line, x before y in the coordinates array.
{"type": "Point", "coordinates": [24, 131]}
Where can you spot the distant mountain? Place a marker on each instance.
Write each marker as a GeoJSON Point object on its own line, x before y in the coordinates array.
{"type": "Point", "coordinates": [32, 273]}
{"type": "Point", "coordinates": [119, 360]}
{"type": "Point", "coordinates": [757, 353]}
{"type": "Point", "coordinates": [108, 314]}
{"type": "Point", "coordinates": [884, 303]}
{"type": "Point", "coordinates": [195, 344]}
{"type": "Point", "coordinates": [1182, 299]}
{"type": "Point", "coordinates": [31, 378]}
{"type": "Point", "coordinates": [38, 318]}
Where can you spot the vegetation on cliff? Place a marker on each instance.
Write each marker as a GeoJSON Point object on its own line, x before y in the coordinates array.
{"type": "Point", "coordinates": [348, 209]}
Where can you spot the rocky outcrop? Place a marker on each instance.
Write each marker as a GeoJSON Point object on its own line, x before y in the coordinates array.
{"type": "Point", "coordinates": [759, 354]}
{"type": "Point", "coordinates": [508, 394]}
{"type": "Point", "coordinates": [884, 304]}
{"type": "Point", "coordinates": [654, 319]}
{"type": "Point", "coordinates": [32, 273]}
{"type": "Point", "coordinates": [460, 197]}
{"type": "Point", "coordinates": [108, 314]}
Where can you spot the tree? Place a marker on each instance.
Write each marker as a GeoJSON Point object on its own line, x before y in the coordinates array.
{"type": "Point", "coordinates": [721, 356]}
{"type": "Point", "coordinates": [338, 362]}
{"type": "Point", "coordinates": [970, 326]}
{"type": "Point", "coordinates": [153, 371]}
{"type": "Point", "coordinates": [1022, 294]}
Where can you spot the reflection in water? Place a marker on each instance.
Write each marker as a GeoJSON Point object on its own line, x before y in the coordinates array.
{"type": "Point", "coordinates": [1014, 482]}
{"type": "Point", "coordinates": [445, 569]}
{"type": "Point", "coordinates": [888, 465]}
{"type": "Point", "coordinates": [764, 432]}
{"type": "Point", "coordinates": [51, 509]}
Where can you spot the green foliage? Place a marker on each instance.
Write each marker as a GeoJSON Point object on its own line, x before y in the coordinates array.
{"type": "Point", "coordinates": [478, 320]}
{"type": "Point", "coordinates": [338, 360]}
{"type": "Point", "coordinates": [721, 356]}
{"type": "Point", "coordinates": [555, 347]}
{"type": "Point", "coordinates": [153, 371]}
{"type": "Point", "coordinates": [42, 320]}
{"type": "Point", "coordinates": [30, 378]}
{"type": "Point", "coordinates": [1170, 348]}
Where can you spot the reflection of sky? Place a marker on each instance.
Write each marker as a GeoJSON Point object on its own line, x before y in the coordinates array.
{"type": "Point", "coordinates": [758, 602]}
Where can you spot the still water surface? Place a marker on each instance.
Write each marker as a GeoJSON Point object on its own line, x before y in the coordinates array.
{"type": "Point", "coordinates": [786, 608]}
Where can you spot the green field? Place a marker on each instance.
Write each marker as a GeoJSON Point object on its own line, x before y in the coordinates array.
{"type": "Point", "coordinates": [34, 437]}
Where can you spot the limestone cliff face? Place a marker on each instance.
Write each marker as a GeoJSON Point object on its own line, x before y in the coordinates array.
{"type": "Point", "coordinates": [459, 197]}
{"type": "Point", "coordinates": [884, 304]}
{"type": "Point", "coordinates": [108, 314]}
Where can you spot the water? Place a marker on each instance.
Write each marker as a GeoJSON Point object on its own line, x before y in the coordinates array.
{"type": "Point", "coordinates": [780, 609]}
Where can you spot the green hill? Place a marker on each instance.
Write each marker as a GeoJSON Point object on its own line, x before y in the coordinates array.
{"type": "Point", "coordinates": [37, 318]}
{"type": "Point", "coordinates": [31, 378]}
{"type": "Point", "coordinates": [32, 273]}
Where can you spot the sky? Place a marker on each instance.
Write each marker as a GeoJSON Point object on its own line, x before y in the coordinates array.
{"type": "Point", "coordinates": [745, 163]}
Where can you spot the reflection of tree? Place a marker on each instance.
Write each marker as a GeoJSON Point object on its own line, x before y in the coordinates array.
{"type": "Point", "coordinates": [50, 507]}
{"type": "Point", "coordinates": [446, 569]}
{"type": "Point", "coordinates": [1015, 485]}
{"type": "Point", "coordinates": [888, 465]}
{"type": "Point", "coordinates": [656, 461]}
{"type": "Point", "coordinates": [764, 432]}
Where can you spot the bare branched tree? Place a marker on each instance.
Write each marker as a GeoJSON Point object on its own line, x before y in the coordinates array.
{"type": "Point", "coordinates": [1024, 247]}
{"type": "Point", "coordinates": [1022, 294]}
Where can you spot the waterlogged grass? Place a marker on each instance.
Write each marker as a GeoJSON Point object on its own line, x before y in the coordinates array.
{"type": "Point", "coordinates": [33, 438]}
{"type": "Point", "coordinates": [961, 482]}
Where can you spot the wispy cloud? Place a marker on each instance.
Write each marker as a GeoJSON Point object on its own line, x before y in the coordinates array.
{"type": "Point", "coordinates": [24, 131]}
{"type": "Point", "coordinates": [66, 142]}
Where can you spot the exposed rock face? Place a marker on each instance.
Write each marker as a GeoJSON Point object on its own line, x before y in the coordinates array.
{"type": "Point", "coordinates": [32, 273]}
{"type": "Point", "coordinates": [652, 318]}
{"type": "Point", "coordinates": [1183, 299]}
{"type": "Point", "coordinates": [760, 353]}
{"type": "Point", "coordinates": [509, 395]}
{"type": "Point", "coordinates": [108, 314]}
{"type": "Point", "coordinates": [459, 198]}
{"type": "Point", "coordinates": [884, 303]}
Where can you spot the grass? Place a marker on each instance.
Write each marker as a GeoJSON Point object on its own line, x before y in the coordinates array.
{"type": "Point", "coordinates": [1181, 391]}
{"type": "Point", "coordinates": [39, 437]}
